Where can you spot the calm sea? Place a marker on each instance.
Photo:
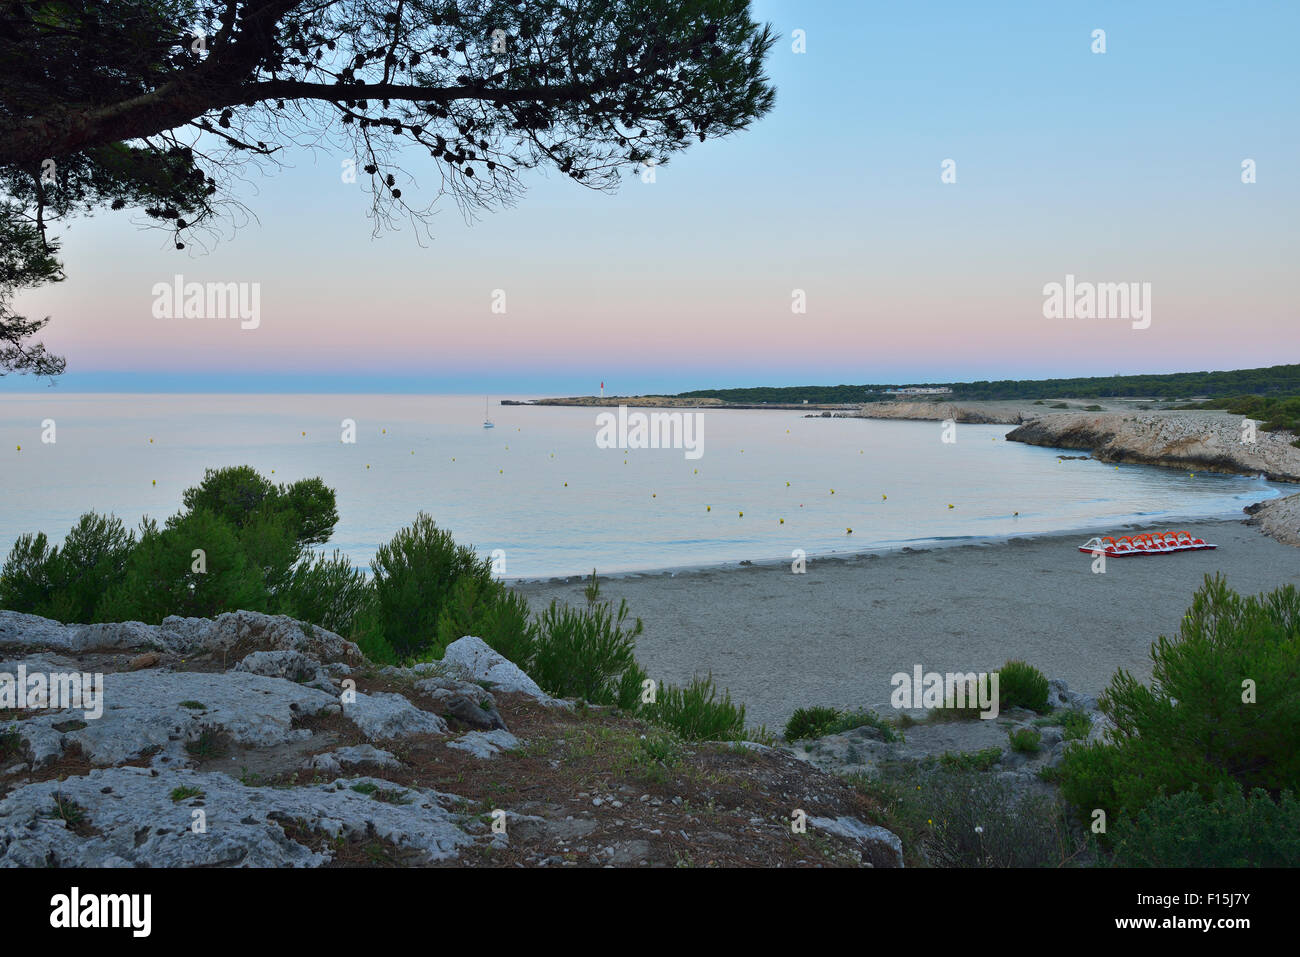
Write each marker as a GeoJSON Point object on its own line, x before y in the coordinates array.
{"type": "Point", "coordinates": [538, 488]}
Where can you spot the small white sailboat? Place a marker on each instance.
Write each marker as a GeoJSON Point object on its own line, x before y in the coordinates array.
{"type": "Point", "coordinates": [487, 423]}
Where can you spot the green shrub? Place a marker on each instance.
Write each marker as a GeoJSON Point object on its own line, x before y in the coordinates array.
{"type": "Point", "coordinates": [93, 557]}
{"type": "Point", "coordinates": [241, 496]}
{"type": "Point", "coordinates": [1026, 740]}
{"type": "Point", "coordinates": [859, 718]}
{"type": "Point", "coordinates": [1225, 830]}
{"type": "Point", "coordinates": [25, 577]}
{"type": "Point", "coordinates": [696, 712]}
{"type": "Point", "coordinates": [326, 591]}
{"type": "Point", "coordinates": [818, 722]}
{"type": "Point", "coordinates": [66, 582]}
{"type": "Point", "coordinates": [160, 577]}
{"type": "Point", "coordinates": [585, 652]}
{"type": "Point", "coordinates": [631, 688]}
{"type": "Point", "coordinates": [810, 722]}
{"type": "Point", "coordinates": [414, 577]}
{"type": "Point", "coordinates": [1021, 685]}
{"type": "Point", "coordinates": [368, 634]}
{"type": "Point", "coordinates": [982, 760]}
{"type": "Point", "coordinates": [488, 610]}
{"type": "Point", "coordinates": [1190, 729]}
{"type": "Point", "coordinates": [1075, 725]}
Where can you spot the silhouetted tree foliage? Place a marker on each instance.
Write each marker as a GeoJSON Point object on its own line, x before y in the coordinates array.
{"type": "Point", "coordinates": [159, 105]}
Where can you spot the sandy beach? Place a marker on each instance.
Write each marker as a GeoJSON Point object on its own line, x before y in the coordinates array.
{"type": "Point", "coordinates": [836, 634]}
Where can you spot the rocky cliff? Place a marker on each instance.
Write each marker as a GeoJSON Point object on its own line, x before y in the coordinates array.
{"type": "Point", "coordinates": [1193, 441]}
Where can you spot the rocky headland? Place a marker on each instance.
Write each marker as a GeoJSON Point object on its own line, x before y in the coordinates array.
{"type": "Point", "coordinates": [1199, 441]}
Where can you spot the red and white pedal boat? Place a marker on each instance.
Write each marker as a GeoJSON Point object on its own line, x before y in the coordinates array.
{"type": "Point", "coordinates": [1158, 543]}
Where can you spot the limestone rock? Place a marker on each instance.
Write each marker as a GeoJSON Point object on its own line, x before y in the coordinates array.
{"type": "Point", "coordinates": [485, 744]}
{"type": "Point", "coordinates": [385, 715]}
{"type": "Point", "coordinates": [151, 709]}
{"type": "Point", "coordinates": [335, 762]}
{"type": "Point", "coordinates": [463, 700]}
{"type": "Point", "coordinates": [880, 847]}
{"type": "Point", "coordinates": [481, 663]}
{"type": "Point", "coordinates": [131, 819]}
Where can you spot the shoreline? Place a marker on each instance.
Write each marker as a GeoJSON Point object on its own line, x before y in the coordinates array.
{"type": "Point", "coordinates": [834, 635]}
{"type": "Point", "coordinates": [1248, 518]}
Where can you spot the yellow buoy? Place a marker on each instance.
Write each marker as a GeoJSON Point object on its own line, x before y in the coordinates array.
{"type": "Point", "coordinates": [787, 484]}
{"type": "Point", "coordinates": [1017, 514]}
{"type": "Point", "coordinates": [832, 491]}
{"type": "Point", "coordinates": [566, 484]}
{"type": "Point", "coordinates": [742, 514]}
{"type": "Point", "coordinates": [653, 495]}
{"type": "Point", "coordinates": [20, 448]}
{"type": "Point", "coordinates": [884, 498]}
{"type": "Point", "coordinates": [155, 481]}
{"type": "Point", "coordinates": [952, 506]}
{"type": "Point", "coordinates": [708, 508]}
{"type": "Point", "coordinates": [848, 531]}
{"type": "Point", "coordinates": [781, 520]}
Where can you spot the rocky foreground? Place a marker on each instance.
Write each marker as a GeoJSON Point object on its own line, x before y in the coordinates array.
{"type": "Point", "coordinates": [256, 740]}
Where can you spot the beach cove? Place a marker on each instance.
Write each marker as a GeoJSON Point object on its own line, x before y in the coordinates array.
{"type": "Point", "coordinates": [835, 635]}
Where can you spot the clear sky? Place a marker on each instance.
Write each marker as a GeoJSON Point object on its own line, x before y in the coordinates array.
{"type": "Point", "coordinates": [1123, 166]}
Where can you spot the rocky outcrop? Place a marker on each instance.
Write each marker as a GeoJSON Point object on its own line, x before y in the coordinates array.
{"type": "Point", "coordinates": [251, 740]}
{"type": "Point", "coordinates": [232, 635]}
{"type": "Point", "coordinates": [867, 750]}
{"type": "Point", "coordinates": [1278, 518]}
{"type": "Point", "coordinates": [1195, 441]}
{"type": "Point", "coordinates": [137, 817]}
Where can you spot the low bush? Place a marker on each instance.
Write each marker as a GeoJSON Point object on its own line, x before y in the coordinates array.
{"type": "Point", "coordinates": [1227, 829]}
{"type": "Point", "coordinates": [696, 712]}
{"type": "Point", "coordinates": [415, 576]}
{"type": "Point", "coordinates": [1021, 685]}
{"type": "Point", "coordinates": [810, 722]}
{"type": "Point", "coordinates": [488, 610]}
{"type": "Point", "coordinates": [1222, 709]}
{"type": "Point", "coordinates": [1026, 740]}
{"type": "Point", "coordinates": [586, 652]}
{"type": "Point", "coordinates": [818, 722]}
{"type": "Point", "coordinates": [325, 590]}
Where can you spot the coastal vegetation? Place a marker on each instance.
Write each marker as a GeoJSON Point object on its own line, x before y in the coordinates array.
{"type": "Point", "coordinates": [244, 543]}
{"type": "Point", "coordinates": [1214, 735]}
{"type": "Point", "coordinates": [1200, 766]}
{"type": "Point", "coordinates": [1274, 382]}
{"type": "Point", "coordinates": [1274, 413]}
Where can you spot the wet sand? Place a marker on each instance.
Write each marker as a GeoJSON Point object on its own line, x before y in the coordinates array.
{"type": "Point", "coordinates": [835, 635]}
